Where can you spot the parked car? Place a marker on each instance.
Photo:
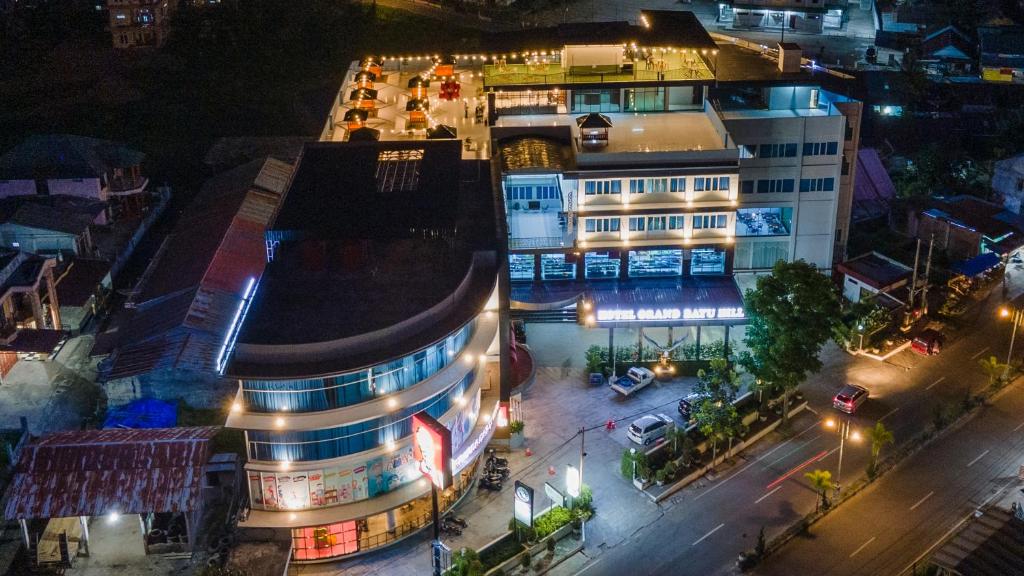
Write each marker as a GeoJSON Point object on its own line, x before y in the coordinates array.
{"type": "Point", "coordinates": [634, 379]}
{"type": "Point", "coordinates": [927, 342]}
{"type": "Point", "coordinates": [596, 379]}
{"type": "Point", "coordinates": [849, 398]}
{"type": "Point", "coordinates": [647, 429]}
{"type": "Point", "coordinates": [685, 409]}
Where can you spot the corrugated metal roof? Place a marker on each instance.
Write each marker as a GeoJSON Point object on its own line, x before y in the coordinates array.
{"type": "Point", "coordinates": [95, 472]}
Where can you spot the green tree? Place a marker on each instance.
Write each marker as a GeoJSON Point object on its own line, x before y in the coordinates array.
{"type": "Point", "coordinates": [994, 369]}
{"type": "Point", "coordinates": [718, 381]}
{"type": "Point", "coordinates": [717, 420]}
{"type": "Point", "coordinates": [465, 562]}
{"type": "Point", "coordinates": [880, 436]}
{"type": "Point", "coordinates": [790, 316]}
{"type": "Point", "coordinates": [821, 481]}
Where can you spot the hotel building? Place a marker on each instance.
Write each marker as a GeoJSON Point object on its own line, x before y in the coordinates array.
{"type": "Point", "coordinates": [641, 175]}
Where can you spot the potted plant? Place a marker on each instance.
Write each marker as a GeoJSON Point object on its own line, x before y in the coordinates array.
{"type": "Point", "coordinates": [517, 438]}
{"type": "Point", "coordinates": [660, 475]}
{"type": "Point", "coordinates": [670, 471]}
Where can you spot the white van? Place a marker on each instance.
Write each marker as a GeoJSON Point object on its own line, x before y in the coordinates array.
{"type": "Point", "coordinates": [647, 429]}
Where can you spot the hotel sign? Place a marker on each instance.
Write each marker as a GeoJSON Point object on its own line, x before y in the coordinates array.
{"type": "Point", "coordinates": [667, 314]}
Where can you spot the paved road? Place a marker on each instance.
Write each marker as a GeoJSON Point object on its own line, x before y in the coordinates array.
{"type": "Point", "coordinates": [893, 524]}
{"type": "Point", "coordinates": [705, 527]}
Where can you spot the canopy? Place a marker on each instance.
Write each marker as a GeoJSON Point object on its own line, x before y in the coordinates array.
{"type": "Point", "coordinates": [364, 135]}
{"type": "Point", "coordinates": [363, 94]}
{"type": "Point", "coordinates": [366, 75]}
{"type": "Point", "coordinates": [594, 120]}
{"type": "Point", "coordinates": [418, 81]}
{"type": "Point", "coordinates": [977, 265]}
{"type": "Point", "coordinates": [354, 115]}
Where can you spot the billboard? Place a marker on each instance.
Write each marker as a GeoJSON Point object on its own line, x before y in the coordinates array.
{"type": "Point", "coordinates": [432, 449]}
{"type": "Point", "coordinates": [523, 507]}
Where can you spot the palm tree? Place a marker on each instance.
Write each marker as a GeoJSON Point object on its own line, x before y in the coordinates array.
{"type": "Point", "coordinates": [880, 436]}
{"type": "Point", "coordinates": [821, 480]}
{"type": "Point", "coordinates": [994, 369]}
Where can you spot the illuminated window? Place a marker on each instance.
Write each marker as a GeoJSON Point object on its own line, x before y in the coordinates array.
{"type": "Point", "coordinates": [398, 170]}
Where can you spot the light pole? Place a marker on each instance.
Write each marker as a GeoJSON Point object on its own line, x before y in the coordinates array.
{"type": "Point", "coordinates": [1005, 312]}
{"type": "Point", "coordinates": [860, 329]}
{"type": "Point", "coordinates": [844, 432]}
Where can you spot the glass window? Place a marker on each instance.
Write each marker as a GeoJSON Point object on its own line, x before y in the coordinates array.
{"type": "Point", "coordinates": [592, 187]}
{"type": "Point", "coordinates": [777, 185]}
{"type": "Point", "coordinates": [764, 221]}
{"type": "Point", "coordinates": [707, 261]}
{"type": "Point", "coordinates": [636, 186]}
{"type": "Point", "coordinates": [601, 224]}
{"type": "Point", "coordinates": [595, 100]}
{"type": "Point", "coordinates": [655, 223]}
{"type": "Point", "coordinates": [701, 221]}
{"type": "Point", "coordinates": [557, 267]}
{"type": "Point", "coordinates": [601, 265]}
{"type": "Point", "coordinates": [676, 222]}
{"type": "Point", "coordinates": [747, 187]}
{"type": "Point", "coordinates": [645, 99]}
{"type": "Point", "coordinates": [636, 223]}
{"type": "Point", "coordinates": [833, 148]}
{"type": "Point", "coordinates": [817, 184]}
{"type": "Point", "coordinates": [650, 263]}
{"type": "Point", "coordinates": [766, 254]}
{"type": "Point", "coordinates": [520, 266]}
{"type": "Point", "coordinates": [790, 150]}
{"type": "Point", "coordinates": [657, 185]}
{"type": "Point", "coordinates": [678, 184]}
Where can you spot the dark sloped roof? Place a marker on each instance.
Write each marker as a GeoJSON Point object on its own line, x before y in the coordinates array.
{"type": "Point", "coordinates": [594, 120]}
{"type": "Point", "coordinates": [873, 190]}
{"type": "Point", "coordinates": [96, 472]}
{"type": "Point", "coordinates": [51, 218]}
{"type": "Point", "coordinates": [65, 156]}
{"type": "Point", "coordinates": [875, 270]}
{"type": "Point", "coordinates": [78, 279]}
{"type": "Point", "coordinates": [991, 545]}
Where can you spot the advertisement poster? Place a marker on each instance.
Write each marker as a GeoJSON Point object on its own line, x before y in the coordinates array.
{"type": "Point", "coordinates": [255, 492]}
{"type": "Point", "coordinates": [285, 495]}
{"type": "Point", "coordinates": [298, 497]}
{"type": "Point", "coordinates": [270, 499]}
{"type": "Point", "coordinates": [316, 488]}
{"type": "Point", "coordinates": [375, 476]}
{"type": "Point", "coordinates": [523, 508]}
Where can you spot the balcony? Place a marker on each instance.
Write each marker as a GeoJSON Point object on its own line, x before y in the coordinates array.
{"type": "Point", "coordinates": [531, 230]}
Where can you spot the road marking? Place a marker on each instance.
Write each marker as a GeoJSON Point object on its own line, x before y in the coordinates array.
{"type": "Point", "coordinates": [713, 530]}
{"type": "Point", "coordinates": [921, 501]}
{"type": "Point", "coordinates": [862, 546]}
{"type": "Point", "coordinates": [932, 385]}
{"type": "Point", "coordinates": [887, 414]}
{"type": "Point", "coordinates": [587, 567]}
{"type": "Point", "coordinates": [980, 352]}
{"type": "Point", "coordinates": [791, 452]}
{"type": "Point", "coordinates": [800, 467]}
{"type": "Point", "coordinates": [980, 456]}
{"type": "Point", "coordinates": [777, 488]}
{"type": "Point", "coordinates": [1019, 426]}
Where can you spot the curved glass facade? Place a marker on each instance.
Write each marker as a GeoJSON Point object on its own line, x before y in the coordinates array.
{"type": "Point", "coordinates": [316, 394]}
{"type": "Point", "coordinates": [309, 445]}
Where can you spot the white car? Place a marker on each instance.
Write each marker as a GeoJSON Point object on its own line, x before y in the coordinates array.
{"type": "Point", "coordinates": [635, 379]}
{"type": "Point", "coordinates": [647, 429]}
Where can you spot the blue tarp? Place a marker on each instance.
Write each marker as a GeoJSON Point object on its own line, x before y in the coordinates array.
{"type": "Point", "coordinates": [143, 413]}
{"type": "Point", "coordinates": [977, 265]}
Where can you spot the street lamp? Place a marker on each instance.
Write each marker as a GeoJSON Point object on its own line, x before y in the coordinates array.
{"type": "Point", "coordinates": [844, 433]}
{"type": "Point", "coordinates": [860, 329]}
{"type": "Point", "coordinates": [1007, 312]}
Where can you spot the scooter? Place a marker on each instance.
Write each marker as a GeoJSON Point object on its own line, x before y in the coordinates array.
{"type": "Point", "coordinates": [494, 460]}
{"type": "Point", "coordinates": [449, 517]}
{"type": "Point", "coordinates": [496, 470]}
{"type": "Point", "coordinates": [450, 528]}
{"type": "Point", "coordinates": [489, 483]}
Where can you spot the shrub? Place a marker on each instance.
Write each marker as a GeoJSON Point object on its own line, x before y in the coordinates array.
{"type": "Point", "coordinates": [551, 545]}
{"type": "Point", "coordinates": [596, 357]}
{"type": "Point", "coordinates": [526, 560]}
{"type": "Point", "coordinates": [466, 562]}
{"type": "Point", "coordinates": [585, 502]}
{"type": "Point", "coordinates": [516, 426]}
{"type": "Point", "coordinates": [553, 520]}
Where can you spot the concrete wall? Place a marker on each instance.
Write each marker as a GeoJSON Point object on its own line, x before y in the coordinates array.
{"type": "Point", "coordinates": [10, 188]}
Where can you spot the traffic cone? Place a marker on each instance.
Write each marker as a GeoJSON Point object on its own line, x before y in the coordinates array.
{"type": "Point", "coordinates": [529, 452]}
{"type": "Point", "coordinates": [551, 470]}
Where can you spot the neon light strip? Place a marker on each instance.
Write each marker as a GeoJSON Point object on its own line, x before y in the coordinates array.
{"type": "Point", "coordinates": [236, 326]}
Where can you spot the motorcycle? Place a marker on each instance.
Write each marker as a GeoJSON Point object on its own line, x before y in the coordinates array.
{"type": "Point", "coordinates": [499, 471]}
{"type": "Point", "coordinates": [461, 522]}
{"type": "Point", "coordinates": [493, 460]}
{"type": "Point", "coordinates": [489, 483]}
{"type": "Point", "coordinates": [451, 528]}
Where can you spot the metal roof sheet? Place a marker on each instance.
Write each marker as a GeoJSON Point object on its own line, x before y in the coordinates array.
{"type": "Point", "coordinates": [96, 472]}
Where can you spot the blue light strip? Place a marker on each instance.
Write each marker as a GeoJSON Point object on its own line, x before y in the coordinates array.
{"type": "Point", "coordinates": [236, 326]}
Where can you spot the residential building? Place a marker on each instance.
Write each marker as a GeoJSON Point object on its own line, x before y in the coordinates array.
{"type": "Point", "coordinates": [140, 23]}
{"type": "Point", "coordinates": [810, 16]}
{"type": "Point", "coordinates": [51, 225]}
{"type": "Point", "coordinates": [64, 164]}
{"type": "Point", "coordinates": [30, 321]}
{"type": "Point", "coordinates": [1008, 182]}
{"type": "Point", "coordinates": [167, 342]}
{"type": "Point", "coordinates": [877, 276]}
{"type": "Point", "coordinates": [992, 543]}
{"type": "Point", "coordinates": [874, 192]}
{"type": "Point", "coordinates": [967, 226]}
{"type": "Point", "coordinates": [1002, 53]}
{"type": "Point", "coordinates": [83, 286]}
{"type": "Point", "coordinates": [380, 301]}
{"type": "Point", "coordinates": [948, 52]}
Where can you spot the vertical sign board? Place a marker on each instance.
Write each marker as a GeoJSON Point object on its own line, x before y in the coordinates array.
{"type": "Point", "coordinates": [523, 508]}
{"type": "Point", "coordinates": [432, 449]}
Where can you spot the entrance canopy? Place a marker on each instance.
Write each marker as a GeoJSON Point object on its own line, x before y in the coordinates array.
{"type": "Point", "coordinates": [691, 300]}
{"type": "Point", "coordinates": [98, 472]}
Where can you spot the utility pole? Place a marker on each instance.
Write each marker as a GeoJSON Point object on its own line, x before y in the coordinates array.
{"type": "Point", "coordinates": [927, 275]}
{"type": "Point", "coordinates": [913, 288]}
{"type": "Point", "coordinates": [583, 433]}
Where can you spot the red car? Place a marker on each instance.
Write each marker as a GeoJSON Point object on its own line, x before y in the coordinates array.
{"type": "Point", "coordinates": [928, 342]}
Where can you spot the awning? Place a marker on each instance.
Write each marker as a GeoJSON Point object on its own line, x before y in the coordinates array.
{"type": "Point", "coordinates": [363, 94]}
{"type": "Point", "coordinates": [977, 265]}
{"type": "Point", "coordinates": [365, 76]}
{"type": "Point", "coordinates": [355, 115]}
{"type": "Point", "coordinates": [412, 105]}
{"type": "Point", "coordinates": [441, 131]}
{"type": "Point", "coordinates": [417, 81]}
{"type": "Point", "coordinates": [364, 135]}
{"type": "Point", "coordinates": [594, 120]}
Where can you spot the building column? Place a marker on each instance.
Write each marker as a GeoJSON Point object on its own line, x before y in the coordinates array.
{"type": "Point", "coordinates": [640, 344]}
{"type": "Point", "coordinates": [37, 309]}
{"type": "Point", "coordinates": [698, 341]}
{"type": "Point", "coordinates": [51, 294]}
{"type": "Point", "coordinates": [611, 349]}
{"type": "Point", "coordinates": [726, 342]}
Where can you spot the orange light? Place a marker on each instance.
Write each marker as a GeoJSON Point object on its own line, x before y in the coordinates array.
{"type": "Point", "coordinates": [830, 423]}
{"type": "Point", "coordinates": [1004, 312]}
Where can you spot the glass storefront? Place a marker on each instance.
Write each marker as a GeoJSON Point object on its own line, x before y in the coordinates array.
{"type": "Point", "coordinates": [645, 99]}
{"type": "Point", "coordinates": [557, 267]}
{"type": "Point", "coordinates": [520, 266]}
{"type": "Point", "coordinates": [652, 263]}
{"type": "Point", "coordinates": [600, 265]}
{"type": "Point", "coordinates": [595, 101]}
